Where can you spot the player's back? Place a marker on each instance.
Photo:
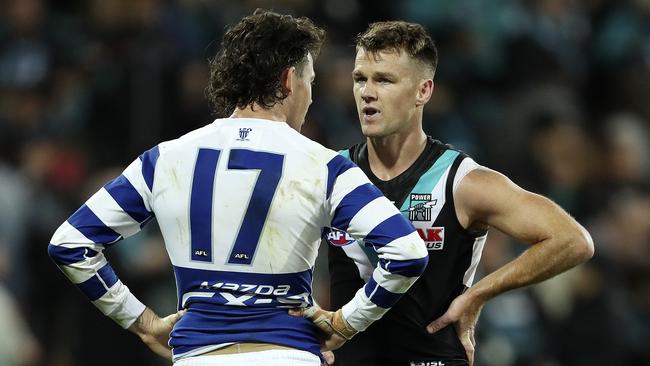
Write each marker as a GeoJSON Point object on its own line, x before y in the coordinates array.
{"type": "Point", "coordinates": [241, 204]}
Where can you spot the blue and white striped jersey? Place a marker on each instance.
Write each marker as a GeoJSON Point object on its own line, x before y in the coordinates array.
{"type": "Point", "coordinates": [241, 204]}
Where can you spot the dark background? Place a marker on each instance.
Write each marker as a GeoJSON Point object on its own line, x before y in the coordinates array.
{"type": "Point", "coordinates": [553, 93]}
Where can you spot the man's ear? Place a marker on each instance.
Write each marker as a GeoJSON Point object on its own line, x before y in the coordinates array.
{"type": "Point", "coordinates": [425, 90]}
{"type": "Point", "coordinates": [286, 79]}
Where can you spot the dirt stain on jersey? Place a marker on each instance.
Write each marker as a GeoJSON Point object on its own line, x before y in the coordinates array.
{"type": "Point", "coordinates": [181, 233]}
{"type": "Point", "coordinates": [271, 240]}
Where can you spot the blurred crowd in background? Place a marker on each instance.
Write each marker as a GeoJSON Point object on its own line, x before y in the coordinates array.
{"type": "Point", "coordinates": [553, 93]}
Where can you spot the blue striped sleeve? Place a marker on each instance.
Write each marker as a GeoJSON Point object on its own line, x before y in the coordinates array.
{"type": "Point", "coordinates": [97, 285]}
{"type": "Point", "coordinates": [379, 295]}
{"type": "Point", "coordinates": [354, 201]}
{"type": "Point", "coordinates": [93, 288]}
{"type": "Point", "coordinates": [390, 229]}
{"type": "Point", "coordinates": [62, 255]}
{"type": "Point", "coordinates": [107, 274]}
{"type": "Point", "coordinates": [92, 227]}
{"type": "Point", "coordinates": [149, 159]}
{"type": "Point", "coordinates": [128, 198]}
{"type": "Point", "coordinates": [335, 167]}
{"type": "Point", "coordinates": [406, 268]}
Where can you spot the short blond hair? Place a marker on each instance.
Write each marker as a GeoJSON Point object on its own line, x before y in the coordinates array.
{"type": "Point", "coordinates": [400, 36]}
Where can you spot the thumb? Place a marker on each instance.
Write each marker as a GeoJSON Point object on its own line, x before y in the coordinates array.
{"type": "Point", "coordinates": [329, 357]}
{"type": "Point", "coordinates": [296, 312]}
{"type": "Point", "coordinates": [439, 323]}
{"type": "Point", "coordinates": [173, 318]}
{"type": "Point", "coordinates": [468, 345]}
{"type": "Point", "coordinates": [310, 313]}
{"type": "Point", "coordinates": [321, 318]}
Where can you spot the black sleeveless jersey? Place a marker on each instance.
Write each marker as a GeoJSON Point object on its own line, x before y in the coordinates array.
{"type": "Point", "coordinates": [424, 194]}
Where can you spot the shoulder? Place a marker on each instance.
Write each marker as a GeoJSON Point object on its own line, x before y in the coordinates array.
{"type": "Point", "coordinates": [460, 163]}
{"type": "Point", "coordinates": [465, 166]}
{"type": "Point", "coordinates": [316, 152]}
{"type": "Point", "coordinates": [168, 146]}
{"type": "Point", "coordinates": [483, 190]}
{"type": "Point", "coordinates": [481, 177]}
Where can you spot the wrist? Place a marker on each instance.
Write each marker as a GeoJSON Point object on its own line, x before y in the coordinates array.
{"type": "Point", "coordinates": [342, 327]}
{"type": "Point", "coordinates": [142, 324]}
{"type": "Point", "coordinates": [476, 296]}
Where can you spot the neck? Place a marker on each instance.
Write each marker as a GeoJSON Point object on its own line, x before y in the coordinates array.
{"type": "Point", "coordinates": [256, 111]}
{"type": "Point", "coordinates": [389, 156]}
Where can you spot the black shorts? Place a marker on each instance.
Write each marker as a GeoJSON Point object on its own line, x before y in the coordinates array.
{"type": "Point", "coordinates": [409, 363]}
{"type": "Point", "coordinates": [396, 345]}
{"type": "Point", "coordinates": [436, 363]}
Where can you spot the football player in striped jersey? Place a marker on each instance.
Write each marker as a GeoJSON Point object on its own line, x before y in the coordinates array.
{"type": "Point", "coordinates": [450, 199]}
{"type": "Point", "coordinates": [241, 204]}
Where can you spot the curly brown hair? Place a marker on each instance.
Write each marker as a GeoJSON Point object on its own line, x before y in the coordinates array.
{"type": "Point", "coordinates": [400, 36]}
{"type": "Point", "coordinates": [253, 55]}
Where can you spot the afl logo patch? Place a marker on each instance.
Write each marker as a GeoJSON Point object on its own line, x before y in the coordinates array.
{"type": "Point", "coordinates": [337, 237]}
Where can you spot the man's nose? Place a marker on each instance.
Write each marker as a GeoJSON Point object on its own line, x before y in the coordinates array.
{"type": "Point", "coordinates": [368, 92]}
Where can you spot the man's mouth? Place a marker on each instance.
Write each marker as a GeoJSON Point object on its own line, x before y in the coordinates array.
{"type": "Point", "coordinates": [369, 111]}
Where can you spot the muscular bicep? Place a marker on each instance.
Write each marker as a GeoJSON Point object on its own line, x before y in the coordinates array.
{"type": "Point", "coordinates": [488, 198]}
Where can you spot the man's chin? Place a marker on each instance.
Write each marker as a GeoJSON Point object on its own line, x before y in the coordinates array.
{"type": "Point", "coordinates": [371, 131]}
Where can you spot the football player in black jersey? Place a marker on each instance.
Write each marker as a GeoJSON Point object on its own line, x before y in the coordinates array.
{"type": "Point", "coordinates": [450, 199]}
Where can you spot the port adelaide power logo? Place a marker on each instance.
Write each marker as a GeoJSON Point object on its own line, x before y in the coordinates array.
{"type": "Point", "coordinates": [420, 207]}
{"type": "Point", "coordinates": [420, 211]}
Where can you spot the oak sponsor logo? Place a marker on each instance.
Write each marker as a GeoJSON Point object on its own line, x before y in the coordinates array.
{"type": "Point", "coordinates": [434, 237]}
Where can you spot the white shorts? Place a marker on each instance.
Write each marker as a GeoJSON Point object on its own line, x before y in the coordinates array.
{"type": "Point", "coordinates": [262, 358]}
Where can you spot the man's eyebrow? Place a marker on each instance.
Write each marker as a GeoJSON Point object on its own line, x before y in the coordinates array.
{"type": "Point", "coordinates": [383, 75]}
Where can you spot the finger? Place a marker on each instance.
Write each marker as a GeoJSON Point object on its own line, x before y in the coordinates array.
{"type": "Point", "coordinates": [466, 341]}
{"type": "Point", "coordinates": [312, 313]}
{"type": "Point", "coordinates": [334, 342]}
{"type": "Point", "coordinates": [173, 318]}
{"type": "Point", "coordinates": [162, 351]}
{"type": "Point", "coordinates": [438, 324]}
{"type": "Point", "coordinates": [309, 313]}
{"type": "Point", "coordinates": [321, 318]}
{"type": "Point", "coordinates": [473, 341]}
{"type": "Point", "coordinates": [329, 357]}
{"type": "Point", "coordinates": [159, 348]}
{"type": "Point", "coordinates": [296, 312]}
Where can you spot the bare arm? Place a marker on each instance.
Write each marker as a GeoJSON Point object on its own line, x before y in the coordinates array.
{"type": "Point", "coordinates": [557, 242]}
